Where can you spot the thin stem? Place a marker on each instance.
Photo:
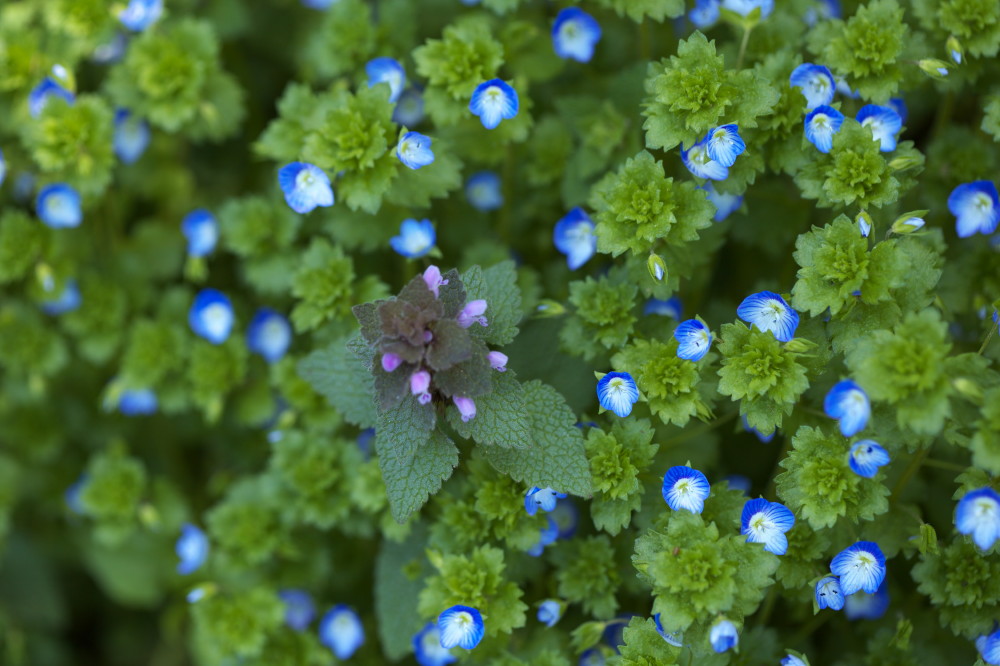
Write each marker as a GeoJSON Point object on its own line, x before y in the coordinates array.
{"type": "Point", "coordinates": [944, 464]}
{"type": "Point", "coordinates": [806, 631]}
{"type": "Point", "coordinates": [908, 473]}
{"type": "Point", "coordinates": [765, 613]}
{"type": "Point", "coordinates": [743, 47]}
{"type": "Point", "coordinates": [645, 52]}
{"type": "Point", "coordinates": [993, 329]}
{"type": "Point", "coordinates": [771, 485]}
{"type": "Point", "coordinates": [688, 434]}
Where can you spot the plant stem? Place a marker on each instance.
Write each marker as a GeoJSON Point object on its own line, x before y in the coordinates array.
{"type": "Point", "coordinates": [765, 613]}
{"type": "Point", "coordinates": [944, 464]}
{"type": "Point", "coordinates": [645, 52]}
{"type": "Point", "coordinates": [908, 473]}
{"type": "Point", "coordinates": [993, 329]}
{"type": "Point", "coordinates": [743, 47]}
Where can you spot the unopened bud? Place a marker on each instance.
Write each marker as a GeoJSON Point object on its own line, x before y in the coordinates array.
{"type": "Point", "coordinates": [907, 223]}
{"type": "Point", "coordinates": [656, 266]}
{"type": "Point", "coordinates": [864, 221]}
{"type": "Point", "coordinates": [955, 49]}
{"type": "Point", "coordinates": [934, 68]}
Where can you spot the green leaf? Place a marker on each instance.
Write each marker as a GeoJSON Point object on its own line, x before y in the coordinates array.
{"type": "Point", "coordinates": [497, 285]}
{"type": "Point", "coordinates": [400, 572]}
{"type": "Point", "coordinates": [451, 345]}
{"type": "Point", "coordinates": [343, 380]}
{"type": "Point", "coordinates": [501, 416]}
{"type": "Point", "coordinates": [556, 457]}
{"type": "Point", "coordinates": [637, 10]}
{"type": "Point", "coordinates": [414, 459]}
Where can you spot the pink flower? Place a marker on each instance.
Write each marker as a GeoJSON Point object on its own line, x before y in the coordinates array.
{"type": "Point", "coordinates": [420, 382]}
{"type": "Point", "coordinates": [432, 278]}
{"type": "Point", "coordinates": [472, 313]}
{"type": "Point", "coordinates": [466, 407]}
{"type": "Point", "coordinates": [498, 361]}
{"type": "Point", "coordinates": [390, 362]}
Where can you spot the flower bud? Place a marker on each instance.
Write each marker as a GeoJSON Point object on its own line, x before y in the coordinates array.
{"type": "Point", "coordinates": [466, 407]}
{"type": "Point", "coordinates": [907, 223]}
{"type": "Point", "coordinates": [934, 68]}
{"type": "Point", "coordinates": [390, 362]}
{"type": "Point", "coordinates": [549, 308]}
{"type": "Point", "coordinates": [656, 267]}
{"type": "Point", "coordinates": [498, 361]}
{"type": "Point", "coordinates": [472, 313]}
{"type": "Point", "coordinates": [955, 49]}
{"type": "Point", "coordinates": [864, 221]}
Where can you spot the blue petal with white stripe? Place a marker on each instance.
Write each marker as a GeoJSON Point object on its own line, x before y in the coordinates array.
{"type": "Point", "coordinates": [989, 647]}
{"type": "Point", "coordinates": [884, 123]}
{"type": "Point", "coordinates": [698, 162]}
{"type": "Point", "coordinates": [821, 124]}
{"type": "Point", "coordinates": [723, 636]}
{"type": "Point", "coordinates": [859, 567]}
{"type": "Point", "coordinates": [45, 91]}
{"type": "Point", "coordinates": [866, 457]}
{"type": "Point", "coordinates": [387, 70]}
{"type": "Point", "coordinates": [340, 629]}
{"type": "Point", "coordinates": [671, 639]}
{"type": "Point", "coordinates": [549, 612]}
{"type": "Point", "coordinates": [616, 391]}
{"type": "Point", "coordinates": [724, 144]}
{"type": "Point", "coordinates": [483, 191]}
{"type": "Point", "coordinates": [299, 608]}
{"type": "Point", "coordinates": [705, 13]}
{"type": "Point", "coordinates": [211, 316]}
{"type": "Point", "coordinates": [976, 208]}
{"type": "Point", "coordinates": [414, 150]}
{"type": "Point", "coordinates": [672, 307]}
{"type": "Point", "coordinates": [461, 626]}
{"type": "Point", "coordinates": [305, 186]}
{"type": "Point", "coordinates": [815, 82]}
{"type": "Point", "coordinates": [494, 101]}
{"type": "Point", "coordinates": [764, 439]}
{"type": "Point", "coordinates": [201, 230]}
{"type": "Point", "coordinates": [58, 206]}
{"type": "Point", "coordinates": [978, 514]}
{"type": "Point", "coordinates": [685, 489]}
{"type": "Point", "coordinates": [574, 236]}
{"type": "Point", "coordinates": [269, 335]}
{"type": "Point", "coordinates": [694, 340]}
{"type": "Point", "coordinates": [541, 498]}
{"type": "Point", "coordinates": [415, 239]}
{"type": "Point", "coordinates": [766, 522]}
{"type": "Point", "coordinates": [848, 402]}
{"type": "Point", "coordinates": [768, 311]}
{"type": "Point", "coordinates": [828, 594]}
{"type": "Point", "coordinates": [427, 648]}
{"type": "Point", "coordinates": [725, 204]}
{"type": "Point", "coordinates": [131, 136]}
{"type": "Point", "coordinates": [191, 548]}
{"type": "Point", "coordinates": [575, 33]}
{"type": "Point", "coordinates": [864, 606]}
{"type": "Point", "coordinates": [140, 14]}
{"type": "Point", "coordinates": [744, 7]}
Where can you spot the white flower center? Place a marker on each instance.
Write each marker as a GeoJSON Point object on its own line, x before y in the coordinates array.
{"type": "Point", "coordinates": [983, 203]}
{"type": "Point", "coordinates": [682, 487]}
{"type": "Point", "coordinates": [821, 121]}
{"type": "Point", "coordinates": [985, 508]}
{"type": "Point", "coordinates": [305, 179]}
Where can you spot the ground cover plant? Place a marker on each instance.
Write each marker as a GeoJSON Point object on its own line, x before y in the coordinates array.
{"type": "Point", "coordinates": [502, 332]}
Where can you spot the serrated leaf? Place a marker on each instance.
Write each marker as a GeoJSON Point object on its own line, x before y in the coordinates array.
{"type": "Point", "coordinates": [470, 378]}
{"type": "Point", "coordinates": [343, 380]}
{"type": "Point", "coordinates": [497, 285]}
{"type": "Point", "coordinates": [451, 345]}
{"type": "Point", "coordinates": [501, 417]}
{"type": "Point", "coordinates": [556, 457]}
{"type": "Point", "coordinates": [413, 473]}
{"type": "Point", "coordinates": [400, 572]}
{"type": "Point", "coordinates": [451, 293]}
{"type": "Point", "coordinates": [367, 316]}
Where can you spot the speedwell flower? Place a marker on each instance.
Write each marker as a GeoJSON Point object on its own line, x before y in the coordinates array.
{"type": "Point", "coordinates": [541, 498]}
{"type": "Point", "coordinates": [386, 70]}
{"type": "Point", "coordinates": [792, 660]}
{"type": "Point", "coordinates": [815, 82]}
{"type": "Point", "coordinates": [414, 150]}
{"type": "Point", "coordinates": [461, 626]}
{"type": "Point", "coordinates": [766, 522]}
{"type": "Point", "coordinates": [860, 567]}
{"type": "Point", "coordinates": [978, 514]}
{"type": "Point", "coordinates": [3, 167]}
{"type": "Point", "coordinates": [699, 163]}
{"type": "Point", "coordinates": [671, 639]}
{"type": "Point", "coordinates": [427, 647]}
{"type": "Point", "coordinates": [191, 548]}
{"type": "Point", "coordinates": [483, 191]}
{"type": "Point", "coordinates": [866, 457]}
{"type": "Point", "coordinates": [211, 316]}
{"type": "Point", "coordinates": [574, 236]}
{"type": "Point", "coordinates": [724, 144]}
{"type": "Point", "coordinates": [768, 311]}
{"type": "Point", "coordinates": [137, 402]}
{"type": "Point", "coordinates": [705, 13]}
{"type": "Point", "coordinates": [693, 340]}
{"type": "Point", "coordinates": [48, 89]}
{"type": "Point", "coordinates": [299, 608]}
{"type": "Point", "coordinates": [989, 647]}
{"type": "Point", "coordinates": [269, 335]}
{"type": "Point", "coordinates": [672, 307]}
{"type": "Point", "coordinates": [549, 612]}
{"type": "Point", "coordinates": [415, 238]}
{"type": "Point", "coordinates": [69, 299]}
{"type": "Point", "coordinates": [725, 204]}
{"type": "Point", "coordinates": [744, 7]}
{"type": "Point", "coordinates": [723, 636]}
{"type": "Point", "coordinates": [306, 186]}
{"type": "Point", "coordinates": [764, 439]}
{"type": "Point", "coordinates": [976, 208]}
{"type": "Point", "coordinates": [685, 488]}
{"type": "Point", "coordinates": [828, 594]}
{"type": "Point", "coordinates": [493, 101]}
{"type": "Point", "coordinates": [131, 136]}
{"type": "Point", "coordinates": [616, 391]}
{"type": "Point", "coordinates": [340, 629]}
{"type": "Point", "coordinates": [58, 206]}
{"type": "Point", "coordinates": [884, 123]}
{"type": "Point", "coordinates": [821, 124]}
{"type": "Point", "coordinates": [848, 402]}
{"type": "Point", "coordinates": [546, 537]}
{"type": "Point", "coordinates": [864, 606]}
{"type": "Point", "coordinates": [140, 14]}
{"type": "Point", "coordinates": [201, 230]}
{"type": "Point", "coordinates": [575, 33]}
{"type": "Point", "coordinates": [409, 109]}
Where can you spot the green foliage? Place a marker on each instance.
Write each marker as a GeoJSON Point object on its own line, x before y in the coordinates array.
{"type": "Point", "coordinates": [645, 647]}
{"type": "Point", "coordinates": [589, 575]}
{"type": "Point", "coordinates": [962, 584]}
{"type": "Point", "coordinates": [637, 10]}
{"type": "Point", "coordinates": [114, 485]}
{"type": "Point", "coordinates": [976, 23]}
{"type": "Point", "coordinates": [72, 143]}
{"type": "Point", "coordinates": [616, 461]}
{"type": "Point", "coordinates": [672, 386]}
{"type": "Point", "coordinates": [603, 318]}
{"type": "Point", "coordinates": [237, 624]}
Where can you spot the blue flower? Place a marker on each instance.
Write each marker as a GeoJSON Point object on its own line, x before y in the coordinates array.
{"type": "Point", "coordinates": [494, 101]}
{"type": "Point", "coordinates": [541, 498]}
{"type": "Point", "coordinates": [978, 514]}
{"type": "Point", "coordinates": [671, 639]}
{"type": "Point", "coordinates": [884, 123]}
{"type": "Point", "coordinates": [48, 89]}
{"type": "Point", "coordinates": [769, 312]}
{"type": "Point", "coordinates": [815, 82]}
{"type": "Point", "coordinates": [71, 496]}
{"type": "Point", "coordinates": [415, 238]}
{"type": "Point", "coordinates": [698, 162]}
{"type": "Point", "coordinates": [823, 9]}
{"type": "Point", "coordinates": [211, 316]}
{"type": "Point", "coordinates": [318, 4]}
{"type": "Point", "coordinates": [792, 660]}
{"type": "Point", "coordinates": [705, 13]}
{"type": "Point", "coordinates": [299, 608]}
{"type": "Point", "coordinates": [427, 647]}
{"type": "Point", "coordinates": [549, 612]}
{"type": "Point", "coordinates": [269, 335]}
{"type": "Point", "coordinates": [864, 606]}
{"type": "Point", "coordinates": [989, 647]}
{"type": "Point", "coordinates": [3, 167]}
{"type": "Point", "coordinates": [191, 548]}
{"type": "Point", "coordinates": [58, 206]}
{"type": "Point", "coordinates": [483, 191]}
{"type": "Point", "coordinates": [828, 594]}
{"type": "Point", "coordinates": [694, 340]}
{"type": "Point", "coordinates": [616, 391]}
{"type": "Point", "coordinates": [409, 110]}
{"type": "Point", "coordinates": [723, 636]}
{"type": "Point", "coordinates": [566, 517]}
{"type": "Point", "coordinates": [976, 208]}
{"type": "Point", "coordinates": [848, 402]}
{"type": "Point", "coordinates": [725, 204]}
{"type": "Point", "coordinates": [765, 439]}
{"type": "Point", "coordinates": [140, 14]}
{"type": "Point", "coordinates": [575, 34]}
{"type": "Point", "coordinates": [592, 657]}
{"type": "Point", "coordinates": [685, 488]}
{"type": "Point", "coordinates": [574, 236]}
{"type": "Point", "coordinates": [738, 482]}
{"type": "Point", "coordinates": [546, 536]}
{"type": "Point", "coordinates": [860, 567]}
{"type": "Point", "coordinates": [845, 89]}
{"type": "Point", "coordinates": [672, 307]}
{"type": "Point", "coordinates": [138, 402]}
{"type": "Point", "coordinates": [744, 7]}
{"type": "Point", "coordinates": [821, 124]}
{"type": "Point", "coordinates": [67, 301]}
{"type": "Point", "coordinates": [414, 150]}
{"type": "Point", "coordinates": [461, 626]}
{"type": "Point", "coordinates": [340, 629]}
{"type": "Point", "coordinates": [766, 522]}
{"type": "Point", "coordinates": [864, 225]}
{"type": "Point", "coordinates": [387, 70]}
{"type": "Point", "coordinates": [306, 186]}
{"type": "Point", "coordinates": [110, 51]}
{"type": "Point", "coordinates": [899, 106]}
{"type": "Point", "coordinates": [201, 231]}
{"type": "Point", "coordinates": [866, 457]}
{"type": "Point", "coordinates": [131, 136]}
{"type": "Point", "coordinates": [724, 144]}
